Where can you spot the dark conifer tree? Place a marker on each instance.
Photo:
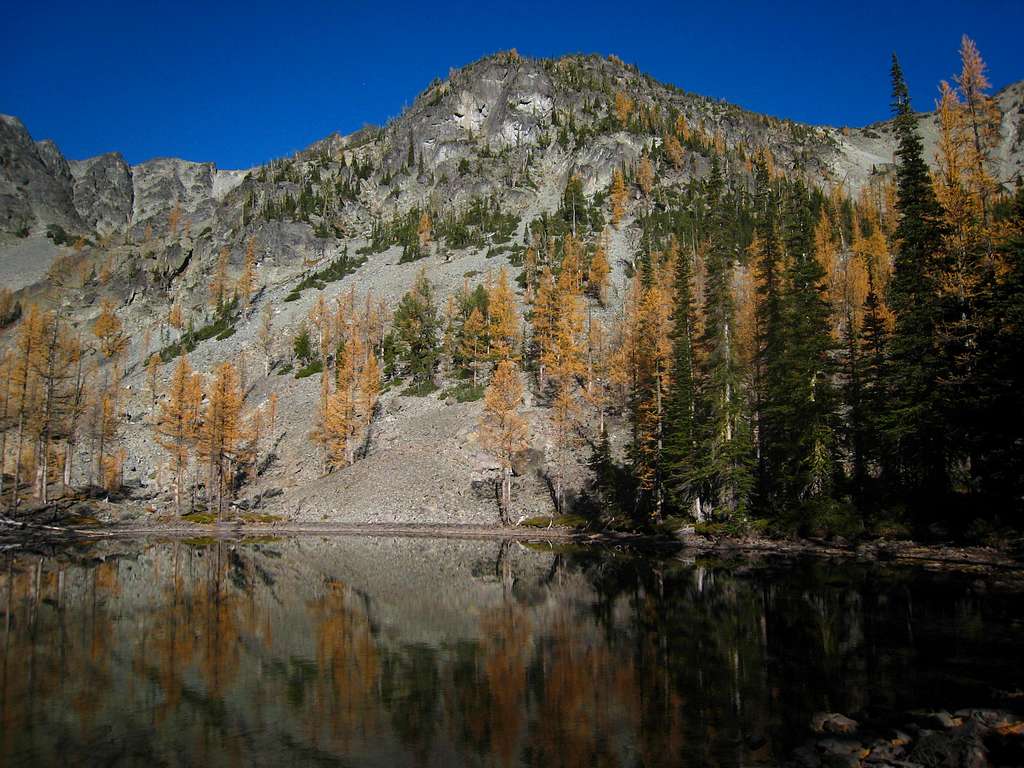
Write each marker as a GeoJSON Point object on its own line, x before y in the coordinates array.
{"type": "Point", "coordinates": [725, 462]}
{"type": "Point", "coordinates": [770, 360]}
{"type": "Point", "coordinates": [804, 408]}
{"type": "Point", "coordinates": [915, 429]}
{"type": "Point", "coordinates": [680, 444]}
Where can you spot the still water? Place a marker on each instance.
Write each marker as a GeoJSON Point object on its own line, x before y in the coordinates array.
{"type": "Point", "coordinates": [392, 652]}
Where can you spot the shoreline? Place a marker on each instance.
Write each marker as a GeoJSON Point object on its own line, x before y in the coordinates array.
{"type": "Point", "coordinates": [945, 555]}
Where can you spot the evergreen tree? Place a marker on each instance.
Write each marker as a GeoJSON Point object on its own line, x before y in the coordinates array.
{"type": "Point", "coordinates": [805, 408]}
{"type": "Point", "coordinates": [417, 325]}
{"type": "Point", "coordinates": [769, 372]}
{"type": "Point", "coordinates": [681, 431]}
{"type": "Point", "coordinates": [725, 469]}
{"type": "Point", "coordinates": [915, 428]}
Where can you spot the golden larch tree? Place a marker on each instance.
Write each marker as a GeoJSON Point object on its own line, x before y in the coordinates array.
{"type": "Point", "coordinates": [152, 374]}
{"type": "Point", "coordinates": [109, 331]}
{"type": "Point", "coordinates": [474, 341]}
{"type": "Point", "coordinates": [503, 431]}
{"type": "Point", "coordinates": [176, 426]}
{"type": "Point", "coordinates": [221, 432]}
{"type": "Point", "coordinates": [502, 320]}
{"type": "Point", "coordinates": [597, 277]}
{"type": "Point", "coordinates": [623, 108]}
{"type": "Point", "coordinates": [219, 284]}
{"type": "Point", "coordinates": [423, 231]}
{"type": "Point", "coordinates": [674, 151]}
{"type": "Point", "coordinates": [618, 197]}
{"type": "Point", "coordinates": [645, 175]}
{"type": "Point", "coordinates": [247, 280]}
{"type": "Point", "coordinates": [174, 317]}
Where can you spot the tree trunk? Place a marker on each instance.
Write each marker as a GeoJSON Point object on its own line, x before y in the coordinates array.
{"type": "Point", "coordinates": [69, 452]}
{"type": "Point", "coordinates": [506, 494]}
{"type": "Point", "coordinates": [17, 457]}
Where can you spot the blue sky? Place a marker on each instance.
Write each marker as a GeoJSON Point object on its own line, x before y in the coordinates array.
{"type": "Point", "coordinates": [241, 83]}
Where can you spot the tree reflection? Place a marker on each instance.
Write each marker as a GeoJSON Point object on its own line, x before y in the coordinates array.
{"type": "Point", "coordinates": [349, 667]}
{"type": "Point", "coordinates": [219, 653]}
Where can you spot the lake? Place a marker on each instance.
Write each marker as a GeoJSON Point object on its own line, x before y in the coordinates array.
{"type": "Point", "coordinates": [432, 652]}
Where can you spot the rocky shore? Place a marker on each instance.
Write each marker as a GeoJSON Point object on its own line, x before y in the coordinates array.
{"type": "Point", "coordinates": [966, 738]}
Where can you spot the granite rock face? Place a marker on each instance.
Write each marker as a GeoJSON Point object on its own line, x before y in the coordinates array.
{"type": "Point", "coordinates": [36, 187]}
{"type": "Point", "coordinates": [104, 193]}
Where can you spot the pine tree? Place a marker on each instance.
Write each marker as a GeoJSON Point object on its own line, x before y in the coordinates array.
{"type": "Point", "coordinates": [805, 409]}
{"type": "Point", "coordinates": [915, 429]}
{"type": "Point", "coordinates": [680, 454]}
{"type": "Point", "coordinates": [725, 443]}
{"type": "Point", "coordinates": [769, 369]}
{"type": "Point", "coordinates": [503, 431]}
{"type": "Point", "coordinates": [417, 326]}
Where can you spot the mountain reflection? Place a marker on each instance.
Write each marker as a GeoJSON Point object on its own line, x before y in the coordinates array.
{"type": "Point", "coordinates": [433, 652]}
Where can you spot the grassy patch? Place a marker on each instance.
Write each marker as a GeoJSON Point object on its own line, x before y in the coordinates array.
{"type": "Point", "coordinates": [315, 367]}
{"type": "Point", "coordinates": [464, 392]}
{"type": "Point", "coordinates": [257, 517]}
{"type": "Point", "coordinates": [222, 327]}
{"type": "Point", "coordinates": [336, 270]}
{"type": "Point", "coordinates": [560, 521]}
{"type": "Point", "coordinates": [202, 518]}
{"type": "Point", "coordinates": [421, 389]}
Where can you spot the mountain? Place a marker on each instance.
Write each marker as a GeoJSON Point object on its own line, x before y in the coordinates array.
{"type": "Point", "coordinates": [496, 106]}
{"type": "Point", "coordinates": [488, 152]}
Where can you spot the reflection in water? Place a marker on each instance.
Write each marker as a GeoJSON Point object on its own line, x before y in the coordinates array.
{"type": "Point", "coordinates": [430, 652]}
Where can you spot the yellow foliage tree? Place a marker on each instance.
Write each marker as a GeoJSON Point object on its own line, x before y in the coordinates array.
{"type": "Point", "coordinates": [152, 372]}
{"type": "Point", "coordinates": [177, 425]}
{"type": "Point", "coordinates": [247, 280]}
{"type": "Point", "coordinates": [502, 320]}
{"type": "Point", "coordinates": [423, 231]}
{"type": "Point", "coordinates": [618, 197]}
{"type": "Point", "coordinates": [503, 431]}
{"type": "Point", "coordinates": [597, 277]}
{"type": "Point", "coordinates": [109, 331]}
{"type": "Point", "coordinates": [674, 151]}
{"type": "Point", "coordinates": [474, 337]}
{"type": "Point", "coordinates": [174, 317]}
{"type": "Point", "coordinates": [645, 176]}
{"type": "Point", "coordinates": [221, 432]}
{"type": "Point", "coordinates": [623, 108]}
{"type": "Point", "coordinates": [219, 284]}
